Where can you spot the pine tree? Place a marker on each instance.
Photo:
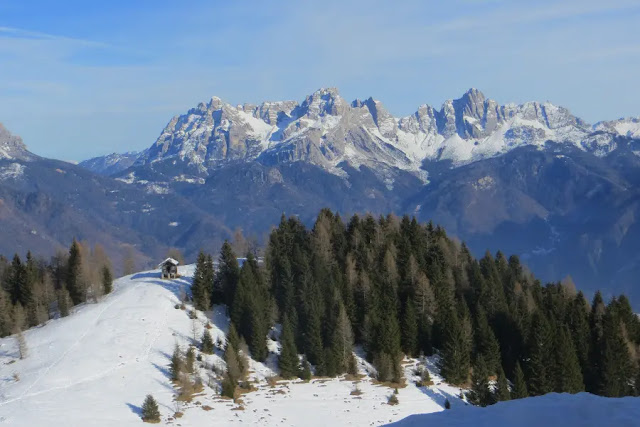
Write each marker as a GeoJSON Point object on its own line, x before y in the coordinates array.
{"type": "Point", "coordinates": [75, 281]}
{"type": "Point", "coordinates": [150, 411]}
{"type": "Point", "coordinates": [288, 359]}
{"type": "Point", "coordinates": [177, 364]}
{"type": "Point", "coordinates": [455, 353]}
{"type": "Point", "coordinates": [480, 393]}
{"type": "Point", "coordinates": [199, 286]}
{"type": "Point", "coordinates": [486, 342]}
{"type": "Point", "coordinates": [107, 280]}
{"type": "Point", "coordinates": [410, 330]}
{"type": "Point", "coordinates": [207, 343]}
{"type": "Point", "coordinates": [342, 341]}
{"type": "Point", "coordinates": [234, 369]}
{"type": "Point", "coordinates": [541, 363]}
{"type": "Point", "coordinates": [233, 338]}
{"type": "Point", "coordinates": [258, 337]}
{"type": "Point", "coordinates": [227, 276]}
{"type": "Point", "coordinates": [519, 383]}
{"type": "Point", "coordinates": [313, 337]}
{"type": "Point", "coordinates": [567, 376]}
{"type": "Point", "coordinates": [502, 392]}
{"type": "Point", "coordinates": [617, 368]}
{"type": "Point", "coordinates": [189, 360]}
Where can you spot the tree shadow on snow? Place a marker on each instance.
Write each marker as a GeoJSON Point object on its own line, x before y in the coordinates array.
{"type": "Point", "coordinates": [175, 286]}
{"type": "Point", "coordinates": [440, 396]}
{"type": "Point", "coordinates": [146, 275]}
{"type": "Point", "coordinates": [135, 409]}
{"type": "Point", "coordinates": [163, 369]}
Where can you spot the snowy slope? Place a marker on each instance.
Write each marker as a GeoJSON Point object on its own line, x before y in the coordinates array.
{"type": "Point", "coordinates": [96, 366]}
{"type": "Point", "coordinates": [566, 410]}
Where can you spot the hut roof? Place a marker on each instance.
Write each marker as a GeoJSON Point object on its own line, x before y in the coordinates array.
{"type": "Point", "coordinates": [168, 261]}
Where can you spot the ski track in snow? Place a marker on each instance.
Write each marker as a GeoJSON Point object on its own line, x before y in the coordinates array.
{"type": "Point", "coordinates": [71, 347]}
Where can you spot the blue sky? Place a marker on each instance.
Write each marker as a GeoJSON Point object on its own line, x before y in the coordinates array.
{"type": "Point", "coordinates": [84, 78]}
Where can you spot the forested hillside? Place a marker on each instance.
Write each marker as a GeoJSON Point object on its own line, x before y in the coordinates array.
{"type": "Point", "coordinates": [394, 287]}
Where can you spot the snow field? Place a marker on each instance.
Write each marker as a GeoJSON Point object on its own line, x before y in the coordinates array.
{"type": "Point", "coordinates": [96, 366]}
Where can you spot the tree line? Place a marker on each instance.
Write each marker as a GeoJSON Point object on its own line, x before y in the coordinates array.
{"type": "Point", "coordinates": [397, 287]}
{"type": "Point", "coordinates": [33, 290]}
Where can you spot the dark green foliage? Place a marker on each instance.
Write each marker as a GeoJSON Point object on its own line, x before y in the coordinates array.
{"type": "Point", "coordinates": [567, 375]}
{"type": "Point", "coordinates": [393, 286]}
{"type": "Point", "coordinates": [201, 287]}
{"type": "Point", "coordinates": [150, 411]}
{"type": "Point", "coordinates": [410, 330]}
{"type": "Point", "coordinates": [617, 367]}
{"type": "Point", "coordinates": [288, 359]}
{"type": "Point", "coordinates": [233, 338]}
{"type": "Point", "coordinates": [227, 276]}
{"type": "Point", "coordinates": [519, 384]}
{"type": "Point", "coordinates": [502, 392]}
{"type": "Point", "coordinates": [480, 394]}
{"type": "Point", "coordinates": [207, 343]}
{"type": "Point", "coordinates": [107, 280]}
{"type": "Point", "coordinates": [177, 364]}
{"type": "Point", "coordinates": [190, 359]}
{"type": "Point", "coordinates": [447, 404]}
{"type": "Point", "coordinates": [455, 352]}
{"type": "Point", "coordinates": [75, 281]}
{"type": "Point", "coordinates": [486, 343]}
{"type": "Point", "coordinates": [540, 366]}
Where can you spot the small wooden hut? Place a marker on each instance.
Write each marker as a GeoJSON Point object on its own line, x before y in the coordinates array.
{"type": "Point", "coordinates": [169, 268]}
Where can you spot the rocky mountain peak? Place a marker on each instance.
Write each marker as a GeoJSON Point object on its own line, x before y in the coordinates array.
{"type": "Point", "coordinates": [12, 147]}
{"type": "Point", "coordinates": [327, 131]}
{"type": "Point", "coordinates": [323, 101]}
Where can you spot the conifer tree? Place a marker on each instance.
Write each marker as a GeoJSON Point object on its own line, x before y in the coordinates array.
{"type": "Point", "coordinates": [107, 280]}
{"type": "Point", "coordinates": [455, 354]}
{"type": "Point", "coordinates": [177, 364]}
{"type": "Point", "coordinates": [410, 330]}
{"type": "Point", "coordinates": [288, 359]}
{"type": "Point", "coordinates": [75, 284]}
{"type": "Point", "coordinates": [150, 411]}
{"type": "Point", "coordinates": [519, 383]}
{"type": "Point", "coordinates": [189, 360]}
{"type": "Point", "coordinates": [567, 376]}
{"type": "Point", "coordinates": [541, 363]}
{"type": "Point", "coordinates": [233, 338]}
{"type": "Point", "coordinates": [480, 394]}
{"type": "Point", "coordinates": [502, 392]}
{"type": "Point", "coordinates": [199, 286]}
{"type": "Point", "coordinates": [313, 337]}
{"type": "Point", "coordinates": [486, 342]}
{"type": "Point", "coordinates": [227, 276]}
{"type": "Point", "coordinates": [257, 340]}
{"type": "Point", "coordinates": [207, 343]}
{"type": "Point", "coordinates": [342, 341]}
{"type": "Point", "coordinates": [234, 369]}
{"type": "Point", "coordinates": [617, 368]}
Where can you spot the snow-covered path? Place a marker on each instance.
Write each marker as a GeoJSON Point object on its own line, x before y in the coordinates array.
{"type": "Point", "coordinates": [96, 366]}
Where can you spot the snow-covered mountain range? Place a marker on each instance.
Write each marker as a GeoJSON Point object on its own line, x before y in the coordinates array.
{"type": "Point", "coordinates": [328, 131]}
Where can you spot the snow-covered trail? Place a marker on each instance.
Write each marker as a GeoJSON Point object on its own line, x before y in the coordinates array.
{"type": "Point", "coordinates": [121, 344]}
{"type": "Point", "coordinates": [96, 366]}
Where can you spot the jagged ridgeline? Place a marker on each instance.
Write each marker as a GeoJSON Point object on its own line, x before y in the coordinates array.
{"type": "Point", "coordinates": [397, 287]}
